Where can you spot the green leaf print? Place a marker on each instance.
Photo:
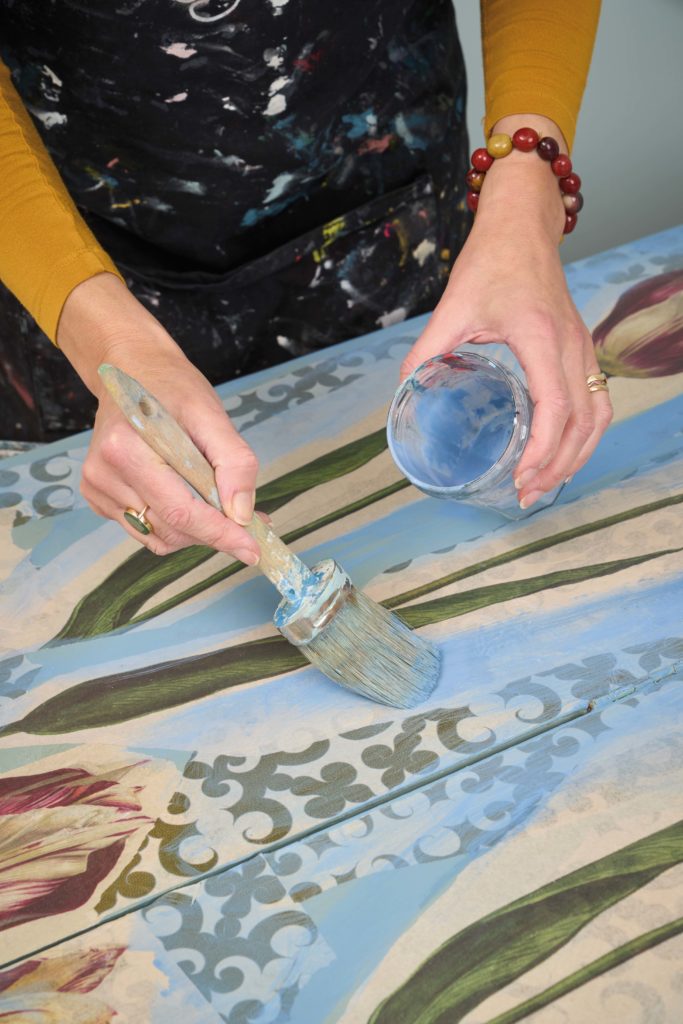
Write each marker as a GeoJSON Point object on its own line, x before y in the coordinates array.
{"type": "Point", "coordinates": [108, 700]}
{"type": "Point", "coordinates": [115, 601]}
{"type": "Point", "coordinates": [533, 548]}
{"type": "Point", "coordinates": [490, 953]}
{"type": "Point", "coordinates": [592, 970]}
{"type": "Point", "coordinates": [288, 538]}
{"type": "Point", "coordinates": [450, 607]}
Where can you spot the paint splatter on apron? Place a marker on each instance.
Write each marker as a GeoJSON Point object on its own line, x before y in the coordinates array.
{"type": "Point", "coordinates": [271, 176]}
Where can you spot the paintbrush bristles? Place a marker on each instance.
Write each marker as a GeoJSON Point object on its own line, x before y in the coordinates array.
{"type": "Point", "coordinates": [369, 650]}
{"type": "Point", "coordinates": [350, 638]}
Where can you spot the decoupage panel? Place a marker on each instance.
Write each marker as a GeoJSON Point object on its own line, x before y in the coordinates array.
{"type": "Point", "coordinates": [118, 662]}
{"type": "Point", "coordinates": [544, 878]}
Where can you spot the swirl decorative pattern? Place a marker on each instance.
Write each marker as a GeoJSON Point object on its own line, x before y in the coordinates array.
{"type": "Point", "coordinates": [204, 828]}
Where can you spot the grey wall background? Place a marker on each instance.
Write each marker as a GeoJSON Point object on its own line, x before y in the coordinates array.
{"type": "Point", "coordinates": [629, 143]}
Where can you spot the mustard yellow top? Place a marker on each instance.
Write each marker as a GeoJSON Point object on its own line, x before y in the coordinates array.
{"type": "Point", "coordinates": [46, 248]}
{"type": "Point", "coordinates": [536, 59]}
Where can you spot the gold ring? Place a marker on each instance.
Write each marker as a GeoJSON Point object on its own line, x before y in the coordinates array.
{"type": "Point", "coordinates": [597, 382]}
{"type": "Point", "coordinates": [138, 520]}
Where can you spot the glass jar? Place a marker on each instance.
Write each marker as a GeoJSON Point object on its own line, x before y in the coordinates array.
{"type": "Point", "coordinates": [457, 428]}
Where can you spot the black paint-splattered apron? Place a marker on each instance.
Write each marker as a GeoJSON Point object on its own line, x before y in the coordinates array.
{"type": "Point", "coordinates": [270, 176]}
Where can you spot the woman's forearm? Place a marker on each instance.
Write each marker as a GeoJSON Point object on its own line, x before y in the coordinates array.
{"type": "Point", "coordinates": [102, 321]}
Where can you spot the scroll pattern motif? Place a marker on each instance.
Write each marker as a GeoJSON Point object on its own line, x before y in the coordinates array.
{"type": "Point", "coordinates": [229, 807]}
{"type": "Point", "coordinates": [49, 486]}
{"type": "Point", "coordinates": [239, 934]}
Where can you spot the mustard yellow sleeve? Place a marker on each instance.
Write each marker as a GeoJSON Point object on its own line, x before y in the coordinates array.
{"type": "Point", "coordinates": [46, 248]}
{"type": "Point", "coordinates": [536, 58]}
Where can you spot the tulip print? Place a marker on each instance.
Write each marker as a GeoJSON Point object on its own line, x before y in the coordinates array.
{"type": "Point", "coordinates": [643, 335]}
{"type": "Point", "coordinates": [59, 988]}
{"type": "Point", "coordinates": [61, 833]}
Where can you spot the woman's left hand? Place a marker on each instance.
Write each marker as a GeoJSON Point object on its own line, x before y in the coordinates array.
{"type": "Point", "coordinates": [507, 285]}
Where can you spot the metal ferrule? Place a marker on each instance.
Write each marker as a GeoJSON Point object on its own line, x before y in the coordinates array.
{"type": "Point", "coordinates": [302, 621]}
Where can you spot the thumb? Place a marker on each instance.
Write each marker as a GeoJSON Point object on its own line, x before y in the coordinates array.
{"type": "Point", "coordinates": [234, 463]}
{"type": "Point", "coordinates": [429, 344]}
{"type": "Point", "coordinates": [443, 333]}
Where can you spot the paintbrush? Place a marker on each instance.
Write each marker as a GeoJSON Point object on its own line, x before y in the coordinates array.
{"type": "Point", "coordinates": [349, 637]}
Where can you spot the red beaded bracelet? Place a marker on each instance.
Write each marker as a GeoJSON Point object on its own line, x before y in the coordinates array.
{"type": "Point", "coordinates": [526, 139]}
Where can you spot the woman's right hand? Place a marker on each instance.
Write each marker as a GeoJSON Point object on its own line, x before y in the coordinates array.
{"type": "Point", "coordinates": [103, 322]}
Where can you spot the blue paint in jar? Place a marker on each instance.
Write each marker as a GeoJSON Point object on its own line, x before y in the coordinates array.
{"type": "Point", "coordinates": [457, 428]}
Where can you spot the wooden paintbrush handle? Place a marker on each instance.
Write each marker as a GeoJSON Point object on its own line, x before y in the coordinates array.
{"type": "Point", "coordinates": [168, 439]}
{"type": "Point", "coordinates": [278, 562]}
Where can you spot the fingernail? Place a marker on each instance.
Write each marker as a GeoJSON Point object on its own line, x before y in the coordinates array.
{"type": "Point", "coordinates": [530, 498]}
{"type": "Point", "coordinates": [568, 479]}
{"type": "Point", "coordinates": [524, 478]}
{"type": "Point", "coordinates": [246, 555]}
{"type": "Point", "coordinates": [242, 507]}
